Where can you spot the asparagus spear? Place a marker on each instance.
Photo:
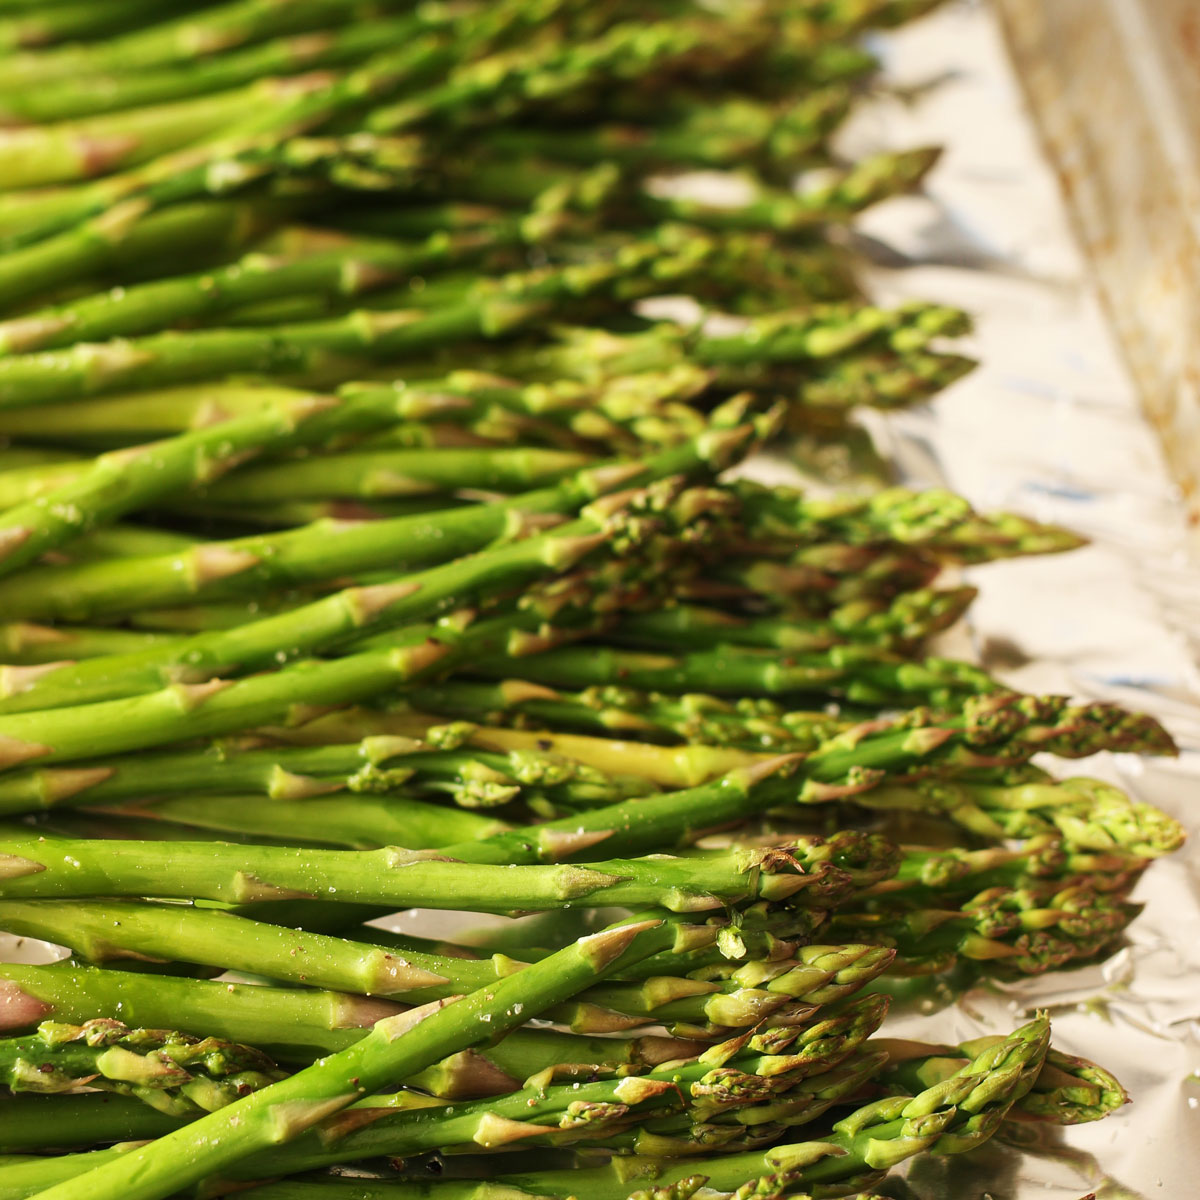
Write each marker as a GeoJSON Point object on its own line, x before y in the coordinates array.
{"type": "Point", "coordinates": [1015, 930]}
{"type": "Point", "coordinates": [293, 1024]}
{"type": "Point", "coordinates": [175, 1074]}
{"type": "Point", "coordinates": [660, 766]}
{"type": "Point", "coordinates": [27, 645]}
{"type": "Point", "coordinates": [45, 867]}
{"type": "Point", "coordinates": [597, 1113]}
{"type": "Point", "coordinates": [497, 86]}
{"type": "Point", "coordinates": [472, 398]}
{"type": "Point", "coordinates": [94, 93]}
{"type": "Point", "coordinates": [1068, 1091]}
{"type": "Point", "coordinates": [729, 133]}
{"type": "Point", "coordinates": [625, 202]}
{"type": "Point", "coordinates": [334, 548]}
{"type": "Point", "coordinates": [38, 1123]}
{"type": "Point", "coordinates": [910, 618]}
{"type": "Point", "coordinates": [74, 22]}
{"type": "Point", "coordinates": [818, 332]}
{"type": "Point", "coordinates": [452, 37]}
{"type": "Point", "coordinates": [703, 721]}
{"type": "Point", "coordinates": [496, 309]}
{"type": "Point", "coordinates": [43, 155]}
{"type": "Point", "coordinates": [473, 778]}
{"type": "Point", "coordinates": [1085, 813]}
{"type": "Point", "coordinates": [720, 1087]}
{"type": "Point", "coordinates": [368, 472]}
{"type": "Point", "coordinates": [350, 822]}
{"type": "Point", "coordinates": [860, 673]}
{"type": "Point", "coordinates": [124, 480]}
{"type": "Point", "coordinates": [188, 36]}
{"type": "Point", "coordinates": [784, 989]}
{"type": "Point", "coordinates": [348, 271]}
{"type": "Point", "coordinates": [343, 616]}
{"type": "Point", "coordinates": [625, 520]}
{"type": "Point", "coordinates": [226, 706]}
{"type": "Point", "coordinates": [991, 733]}
{"type": "Point", "coordinates": [280, 1113]}
{"type": "Point", "coordinates": [297, 1025]}
{"type": "Point", "coordinates": [953, 1116]}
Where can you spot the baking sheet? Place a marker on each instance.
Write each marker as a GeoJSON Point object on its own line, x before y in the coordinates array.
{"type": "Point", "coordinates": [1050, 426]}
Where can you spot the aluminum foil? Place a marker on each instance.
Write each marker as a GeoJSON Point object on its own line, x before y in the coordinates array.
{"type": "Point", "coordinates": [1048, 426]}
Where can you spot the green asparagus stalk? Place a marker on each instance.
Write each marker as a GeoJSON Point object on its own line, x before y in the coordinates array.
{"type": "Point", "coordinates": [39, 156]}
{"type": "Point", "coordinates": [992, 731]}
{"type": "Point", "coordinates": [335, 548]}
{"type": "Point", "coordinates": [294, 1024]}
{"type": "Point", "coordinates": [350, 822]}
{"type": "Point", "coordinates": [184, 711]}
{"type": "Point", "coordinates": [349, 271]}
{"type": "Point", "coordinates": [267, 134]}
{"type": "Point", "coordinates": [124, 480]}
{"type": "Point", "coordinates": [823, 393]}
{"type": "Point", "coordinates": [39, 1123]}
{"type": "Point", "coordinates": [71, 22]}
{"type": "Point", "coordinates": [496, 309]}
{"type": "Point", "coordinates": [1015, 931]}
{"type": "Point", "coordinates": [49, 867]}
{"type": "Point", "coordinates": [704, 722]}
{"type": "Point", "coordinates": [380, 765]}
{"type": "Point", "coordinates": [558, 188]}
{"type": "Point", "coordinates": [344, 616]}
{"type": "Point", "coordinates": [861, 674]}
{"type": "Point", "coordinates": [297, 1025]}
{"type": "Point", "coordinates": [211, 227]}
{"type": "Point", "coordinates": [909, 619]}
{"type": "Point", "coordinates": [953, 1116]}
{"type": "Point", "coordinates": [712, 1089]}
{"type": "Point", "coordinates": [1087, 814]}
{"type": "Point", "coordinates": [813, 334]}
{"type": "Point", "coordinates": [592, 412]}
{"type": "Point", "coordinates": [1068, 1091]}
{"type": "Point", "coordinates": [935, 520]}
{"type": "Point", "coordinates": [175, 1074]}
{"type": "Point", "coordinates": [335, 1188]}
{"type": "Point", "coordinates": [371, 472]}
{"type": "Point", "coordinates": [729, 133]}
{"type": "Point", "coordinates": [394, 1049]}
{"type": "Point", "coordinates": [94, 93]}
{"type": "Point", "coordinates": [660, 766]}
{"type": "Point", "coordinates": [596, 1113]}
{"type": "Point", "coordinates": [497, 86]}
{"type": "Point", "coordinates": [127, 540]}
{"type": "Point", "coordinates": [28, 645]}
{"type": "Point", "coordinates": [183, 39]}
{"type": "Point", "coordinates": [782, 989]}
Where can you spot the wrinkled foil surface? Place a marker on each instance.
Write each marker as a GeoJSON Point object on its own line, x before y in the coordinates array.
{"type": "Point", "coordinates": [1048, 426]}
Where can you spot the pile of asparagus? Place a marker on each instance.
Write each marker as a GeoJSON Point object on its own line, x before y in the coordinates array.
{"type": "Point", "coordinates": [370, 540]}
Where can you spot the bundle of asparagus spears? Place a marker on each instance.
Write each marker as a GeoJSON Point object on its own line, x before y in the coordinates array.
{"type": "Point", "coordinates": [371, 541]}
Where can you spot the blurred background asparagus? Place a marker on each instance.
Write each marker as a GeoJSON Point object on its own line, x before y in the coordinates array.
{"type": "Point", "coordinates": [362, 508]}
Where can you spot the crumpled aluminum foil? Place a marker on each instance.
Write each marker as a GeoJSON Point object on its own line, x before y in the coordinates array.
{"type": "Point", "coordinates": [1049, 426]}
